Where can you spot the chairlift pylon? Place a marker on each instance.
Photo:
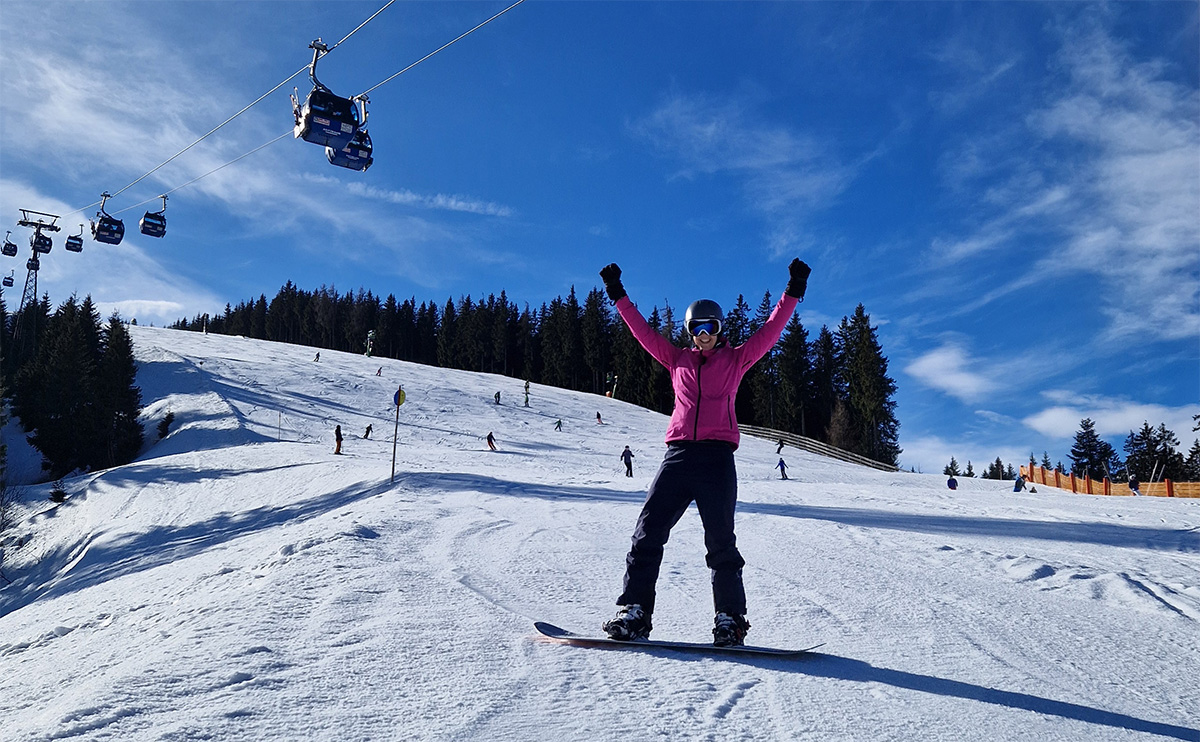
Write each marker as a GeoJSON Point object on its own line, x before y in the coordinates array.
{"type": "Point", "coordinates": [154, 223]}
{"type": "Point", "coordinates": [106, 228]}
{"type": "Point", "coordinates": [75, 241]}
{"type": "Point", "coordinates": [10, 248]}
{"type": "Point", "coordinates": [325, 118]}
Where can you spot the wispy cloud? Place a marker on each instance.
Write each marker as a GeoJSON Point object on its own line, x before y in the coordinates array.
{"type": "Point", "coordinates": [1105, 173]}
{"type": "Point", "coordinates": [438, 201]}
{"type": "Point", "coordinates": [786, 175]}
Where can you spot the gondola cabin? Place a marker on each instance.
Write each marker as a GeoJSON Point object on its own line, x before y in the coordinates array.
{"type": "Point", "coordinates": [40, 243]}
{"type": "Point", "coordinates": [75, 243]}
{"type": "Point", "coordinates": [10, 249]}
{"type": "Point", "coordinates": [356, 155]}
{"type": "Point", "coordinates": [154, 224]}
{"type": "Point", "coordinates": [108, 230]}
{"type": "Point", "coordinates": [326, 119]}
{"type": "Point", "coordinates": [33, 263]}
{"type": "Point", "coordinates": [8, 280]}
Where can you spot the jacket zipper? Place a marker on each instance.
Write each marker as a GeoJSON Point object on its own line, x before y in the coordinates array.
{"type": "Point", "coordinates": [699, 397]}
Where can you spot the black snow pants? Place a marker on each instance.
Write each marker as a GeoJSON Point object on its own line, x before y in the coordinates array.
{"type": "Point", "coordinates": [702, 471]}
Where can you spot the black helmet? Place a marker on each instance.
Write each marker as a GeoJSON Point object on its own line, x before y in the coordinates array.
{"type": "Point", "coordinates": [702, 311]}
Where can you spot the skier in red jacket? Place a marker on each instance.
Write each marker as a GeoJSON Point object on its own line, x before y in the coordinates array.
{"type": "Point", "coordinates": [701, 438]}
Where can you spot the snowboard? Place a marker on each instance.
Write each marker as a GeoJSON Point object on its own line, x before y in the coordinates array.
{"type": "Point", "coordinates": [570, 637]}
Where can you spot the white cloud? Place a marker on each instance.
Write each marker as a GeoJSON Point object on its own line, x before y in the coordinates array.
{"type": "Point", "coordinates": [1114, 417]}
{"type": "Point", "coordinates": [949, 369]}
{"type": "Point", "coordinates": [929, 454]}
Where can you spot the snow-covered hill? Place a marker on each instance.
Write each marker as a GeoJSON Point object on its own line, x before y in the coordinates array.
{"type": "Point", "coordinates": [240, 582]}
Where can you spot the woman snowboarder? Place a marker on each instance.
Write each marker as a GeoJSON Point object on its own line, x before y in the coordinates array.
{"type": "Point", "coordinates": [701, 438]}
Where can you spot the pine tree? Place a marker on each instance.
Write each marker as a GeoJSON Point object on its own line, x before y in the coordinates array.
{"type": "Point", "coordinates": [1090, 454]}
{"type": "Point", "coordinates": [869, 389]}
{"type": "Point", "coordinates": [970, 472]}
{"type": "Point", "coordinates": [1140, 456]}
{"type": "Point", "coordinates": [795, 378]}
{"type": "Point", "coordinates": [826, 390]}
{"type": "Point", "coordinates": [761, 383]}
{"type": "Point", "coordinates": [841, 429]}
{"type": "Point", "coordinates": [995, 470]}
{"type": "Point", "coordinates": [596, 339]}
{"type": "Point", "coordinates": [951, 469]}
{"type": "Point", "coordinates": [1191, 465]}
{"type": "Point", "coordinates": [60, 384]}
{"type": "Point", "coordinates": [119, 399]}
{"type": "Point", "coordinates": [1046, 461]}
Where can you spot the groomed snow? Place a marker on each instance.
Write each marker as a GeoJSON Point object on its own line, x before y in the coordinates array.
{"type": "Point", "coordinates": [240, 582]}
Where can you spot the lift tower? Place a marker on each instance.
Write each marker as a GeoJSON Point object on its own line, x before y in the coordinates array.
{"type": "Point", "coordinates": [41, 244]}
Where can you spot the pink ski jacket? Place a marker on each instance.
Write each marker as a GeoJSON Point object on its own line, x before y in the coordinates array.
{"type": "Point", "coordinates": [706, 382]}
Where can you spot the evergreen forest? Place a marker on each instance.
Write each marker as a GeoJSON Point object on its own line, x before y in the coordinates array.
{"type": "Point", "coordinates": [833, 387]}
{"type": "Point", "coordinates": [71, 381]}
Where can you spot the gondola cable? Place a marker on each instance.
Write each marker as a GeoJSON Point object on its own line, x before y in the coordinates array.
{"type": "Point", "coordinates": [231, 118]}
{"type": "Point", "coordinates": [440, 48]}
{"type": "Point", "coordinates": [289, 132]}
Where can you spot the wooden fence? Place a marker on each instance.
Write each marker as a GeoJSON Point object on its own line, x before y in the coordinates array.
{"type": "Point", "coordinates": [814, 446]}
{"type": "Point", "coordinates": [1089, 486]}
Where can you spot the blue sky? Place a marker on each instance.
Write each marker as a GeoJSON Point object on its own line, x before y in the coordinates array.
{"type": "Point", "coordinates": [1011, 189]}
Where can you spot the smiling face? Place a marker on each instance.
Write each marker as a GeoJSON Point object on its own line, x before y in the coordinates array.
{"type": "Point", "coordinates": [704, 341]}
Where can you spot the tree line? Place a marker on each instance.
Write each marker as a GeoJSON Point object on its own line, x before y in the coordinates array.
{"type": "Point", "coordinates": [1151, 455]}
{"type": "Point", "coordinates": [71, 381]}
{"type": "Point", "coordinates": [834, 388]}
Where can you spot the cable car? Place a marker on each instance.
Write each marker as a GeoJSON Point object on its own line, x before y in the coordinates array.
{"type": "Point", "coordinates": [40, 242]}
{"type": "Point", "coordinates": [33, 263]}
{"type": "Point", "coordinates": [10, 249]}
{"type": "Point", "coordinates": [8, 280]}
{"type": "Point", "coordinates": [154, 223]}
{"type": "Point", "coordinates": [325, 118]}
{"type": "Point", "coordinates": [75, 241]}
{"type": "Point", "coordinates": [105, 228]}
{"type": "Point", "coordinates": [356, 155]}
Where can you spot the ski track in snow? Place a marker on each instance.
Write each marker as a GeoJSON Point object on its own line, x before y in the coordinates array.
{"type": "Point", "coordinates": [239, 581]}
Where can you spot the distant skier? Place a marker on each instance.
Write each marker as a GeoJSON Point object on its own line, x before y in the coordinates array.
{"type": "Point", "coordinates": [1019, 484]}
{"type": "Point", "coordinates": [337, 437]}
{"type": "Point", "coordinates": [526, 393]}
{"type": "Point", "coordinates": [627, 457]}
{"type": "Point", "coordinates": [952, 483]}
{"type": "Point", "coordinates": [699, 465]}
{"type": "Point", "coordinates": [782, 467]}
{"type": "Point", "coordinates": [491, 441]}
{"type": "Point", "coordinates": [598, 420]}
{"type": "Point", "coordinates": [317, 357]}
{"type": "Point", "coordinates": [1135, 486]}
{"type": "Point", "coordinates": [780, 448]}
{"type": "Point", "coordinates": [367, 434]}
{"type": "Point", "coordinates": [497, 397]}
{"type": "Point", "coordinates": [558, 425]}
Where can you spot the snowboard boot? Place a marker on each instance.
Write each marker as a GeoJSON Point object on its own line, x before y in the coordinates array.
{"type": "Point", "coordinates": [630, 624]}
{"type": "Point", "coordinates": [730, 631]}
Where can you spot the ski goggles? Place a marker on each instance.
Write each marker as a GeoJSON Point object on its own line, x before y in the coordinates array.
{"type": "Point", "coordinates": [705, 327]}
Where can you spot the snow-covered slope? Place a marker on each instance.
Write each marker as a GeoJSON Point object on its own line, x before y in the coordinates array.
{"type": "Point", "coordinates": [240, 582]}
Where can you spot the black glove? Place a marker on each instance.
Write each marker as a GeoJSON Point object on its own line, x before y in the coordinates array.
{"type": "Point", "coordinates": [611, 275]}
{"type": "Point", "coordinates": [798, 270]}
